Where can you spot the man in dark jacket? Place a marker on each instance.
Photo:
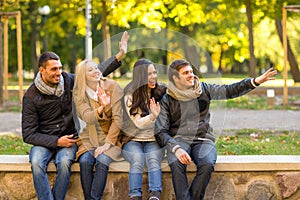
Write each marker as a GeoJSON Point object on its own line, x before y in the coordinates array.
{"type": "Point", "coordinates": [48, 123]}
{"type": "Point", "coordinates": [183, 125]}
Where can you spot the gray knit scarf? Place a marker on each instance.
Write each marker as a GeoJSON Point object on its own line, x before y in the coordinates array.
{"type": "Point", "coordinates": [185, 95]}
{"type": "Point", "coordinates": [45, 89]}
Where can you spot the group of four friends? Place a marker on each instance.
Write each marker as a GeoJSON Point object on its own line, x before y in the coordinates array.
{"type": "Point", "coordinates": [142, 123]}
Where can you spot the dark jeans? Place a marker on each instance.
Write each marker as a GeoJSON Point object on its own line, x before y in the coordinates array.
{"type": "Point", "coordinates": [204, 155]}
{"type": "Point", "coordinates": [93, 184]}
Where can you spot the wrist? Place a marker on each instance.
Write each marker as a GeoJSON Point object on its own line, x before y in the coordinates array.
{"type": "Point", "coordinates": [119, 55]}
{"type": "Point", "coordinates": [255, 82]}
{"type": "Point", "coordinates": [100, 110]}
{"type": "Point", "coordinates": [152, 117]}
{"type": "Point", "coordinates": [175, 148]}
{"type": "Point", "coordinates": [108, 145]}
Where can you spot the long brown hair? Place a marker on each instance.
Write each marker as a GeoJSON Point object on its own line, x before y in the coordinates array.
{"type": "Point", "coordinates": [138, 87]}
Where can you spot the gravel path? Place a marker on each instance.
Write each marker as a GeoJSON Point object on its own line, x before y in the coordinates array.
{"type": "Point", "coordinates": [10, 122]}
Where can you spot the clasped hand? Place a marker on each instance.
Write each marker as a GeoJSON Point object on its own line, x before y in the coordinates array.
{"type": "Point", "coordinates": [101, 149]}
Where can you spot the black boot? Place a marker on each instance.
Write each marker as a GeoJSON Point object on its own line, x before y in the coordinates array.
{"type": "Point", "coordinates": [136, 198]}
{"type": "Point", "coordinates": [154, 195]}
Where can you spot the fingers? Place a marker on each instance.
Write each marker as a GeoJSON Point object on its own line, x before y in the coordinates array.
{"type": "Point", "coordinates": [101, 149]}
{"type": "Point", "coordinates": [183, 156]}
{"type": "Point", "coordinates": [271, 72]}
{"type": "Point", "coordinates": [69, 136]}
{"type": "Point", "coordinates": [125, 37]}
{"type": "Point", "coordinates": [66, 141]}
{"type": "Point", "coordinates": [100, 91]}
{"type": "Point", "coordinates": [123, 42]}
{"type": "Point", "coordinates": [97, 152]}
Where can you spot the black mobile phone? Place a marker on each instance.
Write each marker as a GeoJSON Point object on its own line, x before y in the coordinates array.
{"type": "Point", "coordinates": [75, 137]}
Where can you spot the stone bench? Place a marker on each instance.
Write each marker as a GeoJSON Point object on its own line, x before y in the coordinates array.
{"type": "Point", "coordinates": [235, 177]}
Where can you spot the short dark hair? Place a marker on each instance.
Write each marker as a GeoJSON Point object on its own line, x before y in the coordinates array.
{"type": "Point", "coordinates": [175, 66]}
{"type": "Point", "coordinates": [45, 56]}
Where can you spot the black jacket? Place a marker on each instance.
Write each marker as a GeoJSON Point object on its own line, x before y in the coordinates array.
{"type": "Point", "coordinates": [45, 118]}
{"type": "Point", "coordinates": [190, 120]}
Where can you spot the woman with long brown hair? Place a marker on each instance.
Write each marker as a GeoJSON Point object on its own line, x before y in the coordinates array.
{"type": "Point", "coordinates": [141, 106]}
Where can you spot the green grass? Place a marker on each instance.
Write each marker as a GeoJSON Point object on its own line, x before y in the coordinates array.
{"type": "Point", "coordinates": [13, 145]}
{"type": "Point", "coordinates": [237, 142]}
{"type": "Point", "coordinates": [258, 142]}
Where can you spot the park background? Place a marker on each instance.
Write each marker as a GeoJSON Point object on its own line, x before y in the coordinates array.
{"type": "Point", "coordinates": [225, 41]}
{"type": "Point", "coordinates": [240, 37]}
{"type": "Point", "coordinates": [237, 39]}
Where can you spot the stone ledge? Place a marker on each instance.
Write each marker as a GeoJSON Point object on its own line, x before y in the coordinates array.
{"type": "Point", "coordinates": [20, 163]}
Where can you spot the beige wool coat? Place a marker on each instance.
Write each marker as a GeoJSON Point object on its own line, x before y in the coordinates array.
{"type": "Point", "coordinates": [103, 128]}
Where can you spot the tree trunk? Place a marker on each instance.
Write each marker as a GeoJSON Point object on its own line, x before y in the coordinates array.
{"type": "Point", "coordinates": [290, 55]}
{"type": "Point", "coordinates": [251, 39]}
{"type": "Point", "coordinates": [105, 32]}
{"type": "Point", "coordinates": [1, 65]}
{"type": "Point", "coordinates": [194, 54]}
{"type": "Point", "coordinates": [34, 37]}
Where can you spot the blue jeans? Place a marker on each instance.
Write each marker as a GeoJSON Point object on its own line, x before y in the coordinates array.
{"type": "Point", "coordinates": [204, 155]}
{"type": "Point", "coordinates": [93, 184]}
{"type": "Point", "coordinates": [63, 159]}
{"type": "Point", "coordinates": [137, 154]}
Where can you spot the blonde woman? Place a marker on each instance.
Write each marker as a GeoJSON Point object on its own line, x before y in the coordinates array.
{"type": "Point", "coordinates": [98, 104]}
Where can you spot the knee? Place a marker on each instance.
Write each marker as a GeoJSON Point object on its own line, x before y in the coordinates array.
{"type": "Point", "coordinates": [64, 163]}
{"type": "Point", "coordinates": [205, 168]}
{"type": "Point", "coordinates": [177, 165]}
{"type": "Point", "coordinates": [103, 159]}
{"type": "Point", "coordinates": [37, 165]}
{"type": "Point", "coordinates": [85, 161]}
{"type": "Point", "coordinates": [137, 165]}
{"type": "Point", "coordinates": [153, 164]}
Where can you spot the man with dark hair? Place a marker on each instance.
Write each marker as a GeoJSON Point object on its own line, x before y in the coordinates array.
{"type": "Point", "coordinates": [48, 123]}
{"type": "Point", "coordinates": [183, 125]}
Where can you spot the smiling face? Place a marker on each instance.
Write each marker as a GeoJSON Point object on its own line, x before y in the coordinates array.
{"type": "Point", "coordinates": [92, 75]}
{"type": "Point", "coordinates": [51, 72]}
{"type": "Point", "coordinates": [152, 76]}
{"type": "Point", "coordinates": [186, 79]}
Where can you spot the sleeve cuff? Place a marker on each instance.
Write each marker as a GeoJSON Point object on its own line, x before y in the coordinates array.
{"type": "Point", "coordinates": [175, 148]}
{"type": "Point", "coordinates": [254, 83]}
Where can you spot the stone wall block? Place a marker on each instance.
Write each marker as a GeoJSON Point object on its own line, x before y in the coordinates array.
{"type": "Point", "coordinates": [19, 185]}
{"type": "Point", "coordinates": [167, 185]}
{"type": "Point", "coordinates": [3, 194]}
{"type": "Point", "coordinates": [220, 187]}
{"type": "Point", "coordinates": [117, 187]}
{"type": "Point", "coordinates": [74, 189]}
{"type": "Point", "coordinates": [289, 183]}
{"type": "Point", "coordinates": [241, 178]}
{"type": "Point", "coordinates": [262, 190]}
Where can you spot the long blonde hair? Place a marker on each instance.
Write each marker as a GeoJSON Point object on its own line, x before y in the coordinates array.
{"type": "Point", "coordinates": [80, 85]}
